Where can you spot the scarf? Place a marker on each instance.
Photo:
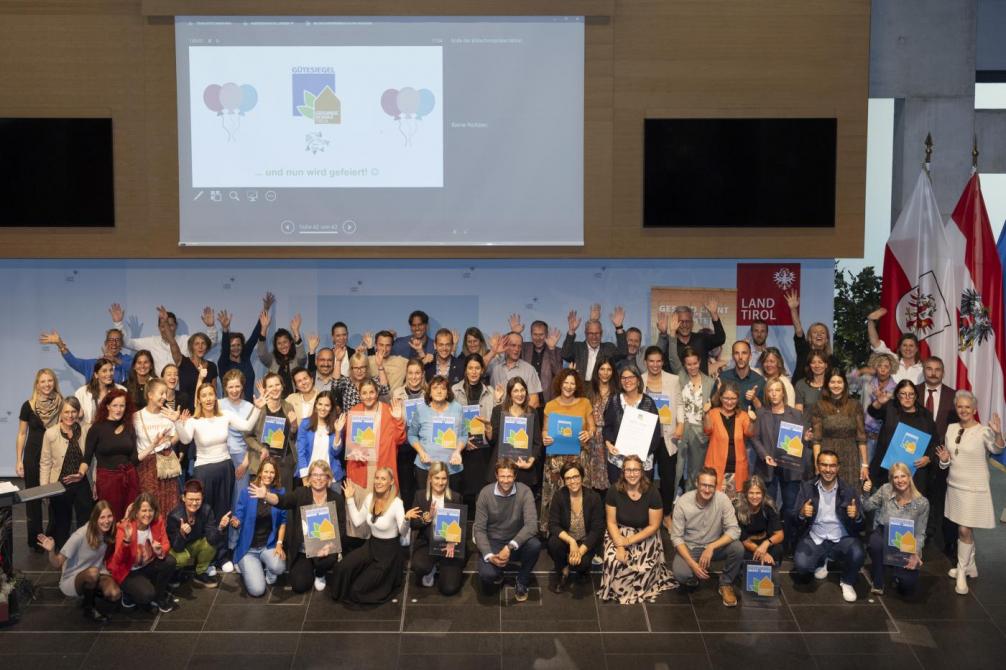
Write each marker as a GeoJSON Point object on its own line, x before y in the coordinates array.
{"type": "Point", "coordinates": [47, 408]}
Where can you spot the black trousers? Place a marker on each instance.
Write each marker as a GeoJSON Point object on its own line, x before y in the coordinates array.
{"type": "Point", "coordinates": [76, 500]}
{"type": "Point", "coordinates": [33, 510]}
{"type": "Point", "coordinates": [559, 551]}
{"type": "Point", "coordinates": [150, 582]}
{"type": "Point", "coordinates": [666, 466]}
{"type": "Point", "coordinates": [449, 570]}
{"type": "Point", "coordinates": [304, 570]}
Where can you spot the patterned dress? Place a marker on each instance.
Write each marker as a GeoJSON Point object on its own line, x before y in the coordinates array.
{"type": "Point", "coordinates": [596, 460]}
{"type": "Point", "coordinates": [840, 429]}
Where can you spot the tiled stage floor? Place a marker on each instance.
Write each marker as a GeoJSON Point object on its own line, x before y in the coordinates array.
{"type": "Point", "coordinates": [806, 628]}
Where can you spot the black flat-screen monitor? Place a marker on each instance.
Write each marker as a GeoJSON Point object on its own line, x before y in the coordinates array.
{"type": "Point", "coordinates": [56, 173]}
{"type": "Point", "coordinates": [739, 173]}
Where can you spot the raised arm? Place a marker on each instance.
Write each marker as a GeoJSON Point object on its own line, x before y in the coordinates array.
{"type": "Point", "coordinates": [793, 302]}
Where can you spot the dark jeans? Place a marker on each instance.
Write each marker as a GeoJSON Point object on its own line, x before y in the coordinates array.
{"type": "Point", "coordinates": [76, 499]}
{"type": "Point", "coordinates": [789, 490]}
{"type": "Point", "coordinates": [304, 570]}
{"type": "Point", "coordinates": [526, 554]}
{"type": "Point", "coordinates": [732, 555]}
{"type": "Point", "coordinates": [150, 582]}
{"type": "Point", "coordinates": [559, 551]}
{"type": "Point", "coordinates": [848, 551]}
{"type": "Point", "coordinates": [908, 578]}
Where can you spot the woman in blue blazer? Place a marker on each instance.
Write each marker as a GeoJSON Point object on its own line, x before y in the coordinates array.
{"type": "Point", "coordinates": [320, 438]}
{"type": "Point", "coordinates": [261, 527]}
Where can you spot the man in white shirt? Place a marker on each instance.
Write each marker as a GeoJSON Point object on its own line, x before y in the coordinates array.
{"type": "Point", "coordinates": [158, 347]}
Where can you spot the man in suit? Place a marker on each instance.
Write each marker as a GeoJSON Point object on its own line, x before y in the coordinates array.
{"type": "Point", "coordinates": [938, 399]}
{"type": "Point", "coordinates": [444, 362]}
{"type": "Point", "coordinates": [585, 355]}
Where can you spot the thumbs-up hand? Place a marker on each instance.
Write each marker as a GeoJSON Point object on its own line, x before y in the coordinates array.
{"type": "Point", "coordinates": [851, 509]}
{"type": "Point", "coordinates": [867, 486]}
{"type": "Point", "coordinates": [808, 509]}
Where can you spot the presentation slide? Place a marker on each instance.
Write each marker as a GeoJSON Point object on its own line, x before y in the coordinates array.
{"type": "Point", "coordinates": [380, 131]}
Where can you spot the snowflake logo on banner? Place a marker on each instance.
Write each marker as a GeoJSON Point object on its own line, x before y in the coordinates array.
{"type": "Point", "coordinates": [919, 312]}
{"type": "Point", "coordinates": [974, 327]}
{"type": "Point", "coordinates": [784, 278]}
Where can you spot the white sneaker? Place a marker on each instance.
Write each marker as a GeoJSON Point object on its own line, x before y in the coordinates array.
{"type": "Point", "coordinates": [848, 592]}
{"type": "Point", "coordinates": [597, 560]}
{"type": "Point", "coordinates": [228, 567]}
{"type": "Point", "coordinates": [822, 572]}
{"type": "Point", "coordinates": [211, 571]}
{"type": "Point", "coordinates": [319, 583]}
{"type": "Point", "coordinates": [270, 578]}
{"type": "Point", "coordinates": [430, 578]}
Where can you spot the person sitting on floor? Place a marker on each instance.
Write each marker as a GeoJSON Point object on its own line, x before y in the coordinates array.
{"type": "Point", "coordinates": [898, 498]}
{"type": "Point", "coordinates": [761, 528]}
{"type": "Point", "coordinates": [372, 574]}
{"type": "Point", "coordinates": [141, 563]}
{"type": "Point", "coordinates": [195, 534]}
{"type": "Point", "coordinates": [704, 530]}
{"type": "Point", "coordinates": [830, 519]}
{"type": "Point", "coordinates": [261, 529]}
{"type": "Point", "coordinates": [81, 560]}
{"type": "Point", "coordinates": [444, 571]}
{"type": "Point", "coordinates": [576, 526]}
{"type": "Point", "coordinates": [506, 526]}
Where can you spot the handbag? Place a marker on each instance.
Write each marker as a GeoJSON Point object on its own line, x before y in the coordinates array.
{"type": "Point", "coordinates": [167, 463]}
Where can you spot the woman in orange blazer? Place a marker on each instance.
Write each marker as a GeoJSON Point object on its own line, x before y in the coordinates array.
{"type": "Point", "coordinates": [141, 563]}
{"type": "Point", "coordinates": [728, 454]}
{"type": "Point", "coordinates": [391, 433]}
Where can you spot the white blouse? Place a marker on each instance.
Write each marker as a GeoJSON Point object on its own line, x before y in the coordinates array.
{"type": "Point", "coordinates": [390, 524]}
{"type": "Point", "coordinates": [210, 434]}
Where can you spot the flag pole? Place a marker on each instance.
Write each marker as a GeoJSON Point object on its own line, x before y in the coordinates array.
{"type": "Point", "coordinates": [929, 151]}
{"type": "Point", "coordinates": [974, 155]}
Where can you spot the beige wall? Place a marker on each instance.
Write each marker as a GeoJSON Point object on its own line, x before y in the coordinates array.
{"type": "Point", "coordinates": [644, 58]}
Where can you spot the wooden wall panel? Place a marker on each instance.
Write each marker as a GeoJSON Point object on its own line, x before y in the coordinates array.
{"type": "Point", "coordinates": [643, 58]}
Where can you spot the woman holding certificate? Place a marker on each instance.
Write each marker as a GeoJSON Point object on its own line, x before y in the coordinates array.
{"type": "Point", "coordinates": [270, 438]}
{"type": "Point", "coordinates": [443, 570]}
{"type": "Point", "coordinates": [899, 417]}
{"type": "Point", "coordinates": [569, 425]}
{"type": "Point", "coordinates": [476, 397]}
{"type": "Point", "coordinates": [895, 417]}
{"type": "Point", "coordinates": [515, 433]}
{"type": "Point", "coordinates": [899, 528]}
{"type": "Point", "coordinates": [373, 432]}
{"type": "Point", "coordinates": [437, 432]}
{"type": "Point", "coordinates": [665, 389]}
{"type": "Point", "coordinates": [372, 574]}
{"type": "Point", "coordinates": [636, 437]}
{"type": "Point", "coordinates": [727, 427]}
{"type": "Point", "coordinates": [969, 499]}
{"type": "Point", "coordinates": [306, 563]}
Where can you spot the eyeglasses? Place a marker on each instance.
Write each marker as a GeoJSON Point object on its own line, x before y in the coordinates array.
{"type": "Point", "coordinates": [906, 394]}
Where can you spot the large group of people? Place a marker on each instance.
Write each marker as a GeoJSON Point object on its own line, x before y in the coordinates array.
{"type": "Point", "coordinates": [176, 467]}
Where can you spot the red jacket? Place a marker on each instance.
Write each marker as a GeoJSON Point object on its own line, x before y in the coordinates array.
{"type": "Point", "coordinates": [392, 434]}
{"type": "Point", "coordinates": [123, 556]}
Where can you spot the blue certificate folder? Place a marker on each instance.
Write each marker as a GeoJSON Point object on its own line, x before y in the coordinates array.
{"type": "Point", "coordinates": [789, 446]}
{"type": "Point", "coordinates": [565, 433]}
{"type": "Point", "coordinates": [907, 445]}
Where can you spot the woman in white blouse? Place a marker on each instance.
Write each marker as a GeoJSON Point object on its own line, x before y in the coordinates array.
{"type": "Point", "coordinates": [208, 428]}
{"type": "Point", "coordinates": [372, 574]}
{"type": "Point", "coordinates": [969, 499]}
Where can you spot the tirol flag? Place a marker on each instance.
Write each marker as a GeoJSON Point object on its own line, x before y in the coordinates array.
{"type": "Point", "coordinates": [761, 288]}
{"type": "Point", "coordinates": [918, 288]}
{"type": "Point", "coordinates": [1001, 248]}
{"type": "Point", "coordinates": [980, 331]}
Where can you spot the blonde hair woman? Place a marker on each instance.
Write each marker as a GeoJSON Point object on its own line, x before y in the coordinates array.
{"type": "Point", "coordinates": [38, 413]}
{"type": "Point", "coordinates": [444, 571]}
{"type": "Point", "coordinates": [897, 499]}
{"type": "Point", "coordinates": [372, 574]}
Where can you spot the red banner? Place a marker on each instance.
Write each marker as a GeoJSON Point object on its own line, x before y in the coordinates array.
{"type": "Point", "coordinates": [760, 289]}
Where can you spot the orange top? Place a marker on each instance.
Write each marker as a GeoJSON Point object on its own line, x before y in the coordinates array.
{"type": "Point", "coordinates": [719, 442]}
{"type": "Point", "coordinates": [392, 434]}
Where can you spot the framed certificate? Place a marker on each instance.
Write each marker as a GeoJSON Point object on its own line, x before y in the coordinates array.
{"type": "Point", "coordinates": [320, 524]}
{"type": "Point", "coordinates": [635, 433]}
{"type": "Point", "coordinates": [362, 437]}
{"type": "Point", "coordinates": [450, 524]}
{"type": "Point", "coordinates": [789, 446]}
{"type": "Point", "coordinates": [900, 544]}
{"type": "Point", "coordinates": [515, 442]}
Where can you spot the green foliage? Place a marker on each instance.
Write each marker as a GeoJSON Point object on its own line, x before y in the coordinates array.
{"type": "Point", "coordinates": [855, 297]}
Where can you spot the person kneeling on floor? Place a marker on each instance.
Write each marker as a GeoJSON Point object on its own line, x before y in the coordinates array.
{"type": "Point", "coordinates": [195, 535]}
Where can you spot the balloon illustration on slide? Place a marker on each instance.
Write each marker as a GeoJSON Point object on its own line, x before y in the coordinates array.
{"type": "Point", "coordinates": [408, 106]}
{"type": "Point", "coordinates": [230, 101]}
